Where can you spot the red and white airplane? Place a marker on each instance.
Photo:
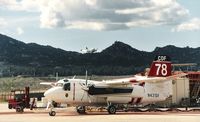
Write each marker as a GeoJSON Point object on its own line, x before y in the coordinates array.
{"type": "Point", "coordinates": [156, 86]}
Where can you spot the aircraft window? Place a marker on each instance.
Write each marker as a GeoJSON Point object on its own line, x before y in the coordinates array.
{"type": "Point", "coordinates": [66, 87]}
{"type": "Point", "coordinates": [66, 80]}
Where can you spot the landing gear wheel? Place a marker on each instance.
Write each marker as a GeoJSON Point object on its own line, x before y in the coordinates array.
{"type": "Point", "coordinates": [80, 109]}
{"type": "Point", "coordinates": [19, 110]}
{"type": "Point", "coordinates": [52, 113]}
{"type": "Point", "coordinates": [10, 106]}
{"type": "Point", "coordinates": [111, 109]}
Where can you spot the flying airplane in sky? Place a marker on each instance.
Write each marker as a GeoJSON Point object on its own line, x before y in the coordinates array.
{"type": "Point", "coordinates": [87, 50]}
{"type": "Point", "coordinates": [156, 86]}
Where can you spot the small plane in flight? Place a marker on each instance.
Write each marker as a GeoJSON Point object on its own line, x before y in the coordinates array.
{"type": "Point", "coordinates": [156, 86]}
{"type": "Point", "coordinates": [87, 50]}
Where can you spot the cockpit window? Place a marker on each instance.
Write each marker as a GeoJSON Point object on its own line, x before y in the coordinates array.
{"type": "Point", "coordinates": [66, 87]}
{"type": "Point", "coordinates": [66, 80]}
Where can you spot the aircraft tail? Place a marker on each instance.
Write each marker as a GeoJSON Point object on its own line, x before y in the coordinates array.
{"type": "Point", "coordinates": [161, 67]}
{"type": "Point", "coordinates": [160, 90]}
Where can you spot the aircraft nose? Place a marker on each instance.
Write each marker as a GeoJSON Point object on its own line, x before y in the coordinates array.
{"type": "Point", "coordinates": [48, 93]}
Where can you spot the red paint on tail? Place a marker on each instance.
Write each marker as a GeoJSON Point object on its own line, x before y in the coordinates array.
{"type": "Point", "coordinates": [160, 69]}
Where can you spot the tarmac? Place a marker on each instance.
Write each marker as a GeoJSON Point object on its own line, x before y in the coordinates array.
{"type": "Point", "coordinates": [70, 115]}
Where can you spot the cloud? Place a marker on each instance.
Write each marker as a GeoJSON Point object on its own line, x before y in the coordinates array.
{"type": "Point", "coordinates": [20, 5]}
{"type": "Point", "coordinates": [191, 25]}
{"type": "Point", "coordinates": [2, 22]}
{"type": "Point", "coordinates": [20, 31]}
{"type": "Point", "coordinates": [111, 14]}
{"type": "Point", "coordinates": [102, 14]}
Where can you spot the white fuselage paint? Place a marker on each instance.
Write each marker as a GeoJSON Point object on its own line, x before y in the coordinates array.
{"type": "Point", "coordinates": [148, 93]}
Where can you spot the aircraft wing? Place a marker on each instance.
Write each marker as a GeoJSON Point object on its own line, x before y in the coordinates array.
{"type": "Point", "coordinates": [140, 79]}
{"type": "Point", "coordinates": [123, 81]}
{"type": "Point", "coordinates": [160, 79]}
{"type": "Point", "coordinates": [135, 79]}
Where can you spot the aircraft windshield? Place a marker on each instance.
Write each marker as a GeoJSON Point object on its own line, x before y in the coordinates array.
{"type": "Point", "coordinates": [66, 81]}
{"type": "Point", "coordinates": [66, 87]}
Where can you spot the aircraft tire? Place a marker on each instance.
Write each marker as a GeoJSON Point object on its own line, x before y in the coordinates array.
{"type": "Point", "coordinates": [111, 109]}
{"type": "Point", "coordinates": [80, 109]}
{"type": "Point", "coordinates": [19, 110]}
{"type": "Point", "coordinates": [10, 106]}
{"type": "Point", "coordinates": [52, 113]}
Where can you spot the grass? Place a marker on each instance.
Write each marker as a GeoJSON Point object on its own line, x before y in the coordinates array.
{"type": "Point", "coordinates": [9, 83]}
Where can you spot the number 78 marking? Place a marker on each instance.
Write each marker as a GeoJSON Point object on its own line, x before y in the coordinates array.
{"type": "Point", "coordinates": [162, 68]}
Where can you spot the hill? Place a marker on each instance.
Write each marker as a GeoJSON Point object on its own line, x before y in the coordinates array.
{"type": "Point", "coordinates": [18, 58]}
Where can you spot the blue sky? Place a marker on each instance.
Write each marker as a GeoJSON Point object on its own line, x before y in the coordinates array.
{"type": "Point", "coordinates": [75, 24]}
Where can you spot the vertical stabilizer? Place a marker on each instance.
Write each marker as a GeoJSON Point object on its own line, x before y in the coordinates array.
{"type": "Point", "coordinates": [161, 67]}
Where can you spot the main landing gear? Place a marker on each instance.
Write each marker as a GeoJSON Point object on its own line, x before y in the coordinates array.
{"type": "Point", "coordinates": [80, 109]}
{"type": "Point", "coordinates": [111, 108]}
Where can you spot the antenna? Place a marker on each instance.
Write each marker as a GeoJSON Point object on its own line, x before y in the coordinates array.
{"type": "Point", "coordinates": [86, 77]}
{"type": "Point", "coordinates": [56, 76]}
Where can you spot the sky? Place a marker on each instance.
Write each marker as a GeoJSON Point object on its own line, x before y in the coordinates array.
{"type": "Point", "coordinates": [74, 24]}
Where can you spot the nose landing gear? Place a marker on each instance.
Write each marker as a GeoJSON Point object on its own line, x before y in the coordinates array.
{"type": "Point", "coordinates": [52, 105]}
{"type": "Point", "coordinates": [52, 113]}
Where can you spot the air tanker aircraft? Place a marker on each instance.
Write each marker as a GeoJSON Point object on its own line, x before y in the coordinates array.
{"type": "Point", "coordinates": [156, 86]}
{"type": "Point", "coordinates": [87, 50]}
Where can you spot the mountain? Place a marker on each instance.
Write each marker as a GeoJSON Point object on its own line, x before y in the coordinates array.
{"type": "Point", "coordinates": [18, 53]}
{"type": "Point", "coordinates": [180, 55]}
{"type": "Point", "coordinates": [18, 58]}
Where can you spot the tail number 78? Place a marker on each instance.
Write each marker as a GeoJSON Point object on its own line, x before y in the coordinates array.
{"type": "Point", "coordinates": [161, 68]}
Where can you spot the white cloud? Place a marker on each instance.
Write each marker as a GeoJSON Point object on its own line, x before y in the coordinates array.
{"type": "Point", "coordinates": [101, 14]}
{"type": "Point", "coordinates": [193, 24]}
{"type": "Point", "coordinates": [2, 22]}
{"type": "Point", "coordinates": [85, 25]}
{"type": "Point", "coordinates": [20, 5]}
{"type": "Point", "coordinates": [20, 31]}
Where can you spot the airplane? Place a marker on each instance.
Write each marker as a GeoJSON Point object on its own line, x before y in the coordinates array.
{"type": "Point", "coordinates": [87, 50]}
{"type": "Point", "coordinates": [155, 87]}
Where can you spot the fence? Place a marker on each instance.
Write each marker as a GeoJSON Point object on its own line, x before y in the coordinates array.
{"type": "Point", "coordinates": [5, 96]}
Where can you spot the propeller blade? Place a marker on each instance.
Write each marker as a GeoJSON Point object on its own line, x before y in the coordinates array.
{"type": "Point", "coordinates": [85, 88]}
{"type": "Point", "coordinates": [83, 96]}
{"type": "Point", "coordinates": [74, 77]}
{"type": "Point", "coordinates": [88, 96]}
{"type": "Point", "coordinates": [89, 99]}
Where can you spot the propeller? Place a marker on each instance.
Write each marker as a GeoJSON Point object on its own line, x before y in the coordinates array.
{"type": "Point", "coordinates": [85, 87]}
{"type": "Point", "coordinates": [74, 77]}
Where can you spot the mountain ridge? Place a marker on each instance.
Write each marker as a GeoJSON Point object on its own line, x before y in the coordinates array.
{"type": "Point", "coordinates": [19, 58]}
